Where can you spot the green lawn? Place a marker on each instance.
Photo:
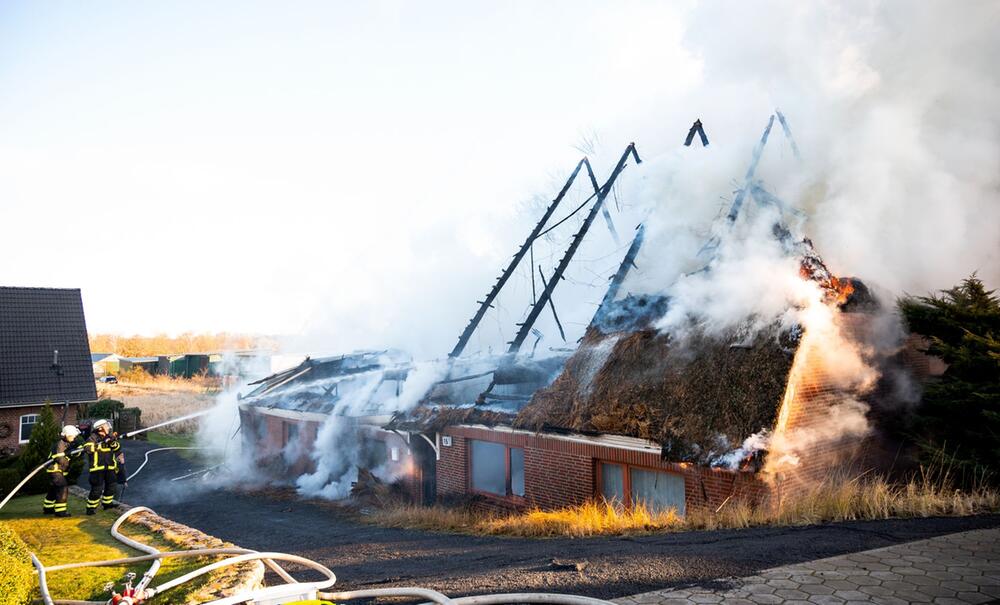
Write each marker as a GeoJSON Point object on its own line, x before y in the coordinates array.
{"type": "Point", "coordinates": [84, 538]}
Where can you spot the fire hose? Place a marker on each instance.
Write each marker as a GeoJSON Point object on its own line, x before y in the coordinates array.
{"type": "Point", "coordinates": [291, 589]}
{"type": "Point", "coordinates": [76, 451]}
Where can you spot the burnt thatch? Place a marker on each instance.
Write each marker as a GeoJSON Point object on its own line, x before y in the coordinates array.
{"type": "Point", "coordinates": [697, 398]}
{"type": "Point", "coordinates": [434, 418]}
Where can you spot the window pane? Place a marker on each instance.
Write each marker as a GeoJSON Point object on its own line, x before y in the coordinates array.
{"type": "Point", "coordinates": [517, 471]}
{"type": "Point", "coordinates": [27, 424]}
{"type": "Point", "coordinates": [489, 467]}
{"type": "Point", "coordinates": [658, 491]}
{"type": "Point", "coordinates": [613, 483]}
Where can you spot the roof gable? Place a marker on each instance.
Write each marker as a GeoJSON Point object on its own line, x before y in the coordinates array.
{"type": "Point", "coordinates": [34, 323]}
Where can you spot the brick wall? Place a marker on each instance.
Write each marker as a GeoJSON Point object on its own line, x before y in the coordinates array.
{"type": "Point", "coordinates": [560, 472]}
{"type": "Point", "coordinates": [452, 467]}
{"type": "Point", "coordinates": [12, 418]}
{"type": "Point", "coordinates": [821, 450]}
{"type": "Point", "coordinates": [270, 453]}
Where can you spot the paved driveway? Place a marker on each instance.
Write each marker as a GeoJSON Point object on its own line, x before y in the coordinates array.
{"type": "Point", "coordinates": [952, 569]}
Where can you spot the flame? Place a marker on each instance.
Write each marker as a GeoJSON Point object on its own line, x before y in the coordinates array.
{"type": "Point", "coordinates": [827, 361]}
{"type": "Point", "coordinates": [836, 290]}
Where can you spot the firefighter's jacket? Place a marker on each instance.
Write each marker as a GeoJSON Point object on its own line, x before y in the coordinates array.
{"type": "Point", "coordinates": [100, 452]}
{"type": "Point", "coordinates": [60, 454]}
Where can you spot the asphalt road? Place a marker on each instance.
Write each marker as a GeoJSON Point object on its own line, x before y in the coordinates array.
{"type": "Point", "coordinates": [367, 556]}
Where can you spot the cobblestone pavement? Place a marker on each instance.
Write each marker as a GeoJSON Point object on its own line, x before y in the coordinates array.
{"type": "Point", "coordinates": [951, 569]}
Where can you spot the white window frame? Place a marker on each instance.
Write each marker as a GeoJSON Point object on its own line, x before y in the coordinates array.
{"type": "Point", "coordinates": [22, 423]}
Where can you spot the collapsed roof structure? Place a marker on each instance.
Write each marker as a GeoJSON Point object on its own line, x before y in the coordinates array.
{"type": "Point", "coordinates": [629, 406]}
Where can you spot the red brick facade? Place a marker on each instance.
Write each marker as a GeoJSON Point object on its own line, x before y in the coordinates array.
{"type": "Point", "coordinates": [272, 439]}
{"type": "Point", "coordinates": [10, 418]}
{"type": "Point", "coordinates": [828, 425]}
{"type": "Point", "coordinates": [562, 470]}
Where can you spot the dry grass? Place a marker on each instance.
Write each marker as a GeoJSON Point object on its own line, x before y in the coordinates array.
{"type": "Point", "coordinates": [159, 405]}
{"type": "Point", "coordinates": [837, 499]}
{"type": "Point", "coordinates": [435, 518]}
{"type": "Point", "coordinates": [137, 378]}
{"type": "Point", "coordinates": [588, 519]}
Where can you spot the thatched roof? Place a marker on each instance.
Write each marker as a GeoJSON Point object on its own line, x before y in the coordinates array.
{"type": "Point", "coordinates": [429, 418]}
{"type": "Point", "coordinates": [698, 397]}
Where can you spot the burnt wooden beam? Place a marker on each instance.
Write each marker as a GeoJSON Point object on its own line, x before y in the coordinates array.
{"type": "Point", "coordinates": [623, 269]}
{"type": "Point", "coordinates": [552, 305]}
{"type": "Point", "coordinates": [557, 276]}
{"type": "Point", "coordinates": [463, 339]}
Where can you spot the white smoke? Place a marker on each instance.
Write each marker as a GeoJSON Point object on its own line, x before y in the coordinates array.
{"type": "Point", "coordinates": [338, 450]}
{"type": "Point", "coordinates": [894, 107]}
{"type": "Point", "coordinates": [843, 420]}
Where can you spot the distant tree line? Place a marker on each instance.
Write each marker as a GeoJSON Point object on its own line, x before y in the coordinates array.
{"type": "Point", "coordinates": [161, 344]}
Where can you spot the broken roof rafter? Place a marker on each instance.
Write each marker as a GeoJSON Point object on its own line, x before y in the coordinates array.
{"type": "Point", "coordinates": [546, 294]}
{"type": "Point", "coordinates": [600, 193]}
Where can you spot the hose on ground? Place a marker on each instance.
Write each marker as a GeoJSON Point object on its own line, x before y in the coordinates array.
{"type": "Point", "coordinates": [330, 581]}
{"type": "Point", "coordinates": [42, 583]}
{"type": "Point", "coordinates": [155, 567]}
{"type": "Point", "coordinates": [374, 593]}
{"type": "Point", "coordinates": [528, 597]}
{"type": "Point", "coordinates": [145, 460]}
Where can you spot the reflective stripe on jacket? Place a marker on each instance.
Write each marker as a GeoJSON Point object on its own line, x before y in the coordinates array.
{"type": "Point", "coordinates": [101, 452]}
{"type": "Point", "coordinates": [60, 454]}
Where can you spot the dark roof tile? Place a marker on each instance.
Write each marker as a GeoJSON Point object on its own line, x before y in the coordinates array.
{"type": "Point", "coordinates": [34, 322]}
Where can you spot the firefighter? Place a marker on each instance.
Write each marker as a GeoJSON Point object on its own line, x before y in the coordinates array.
{"type": "Point", "coordinates": [121, 475]}
{"type": "Point", "coordinates": [55, 500]}
{"type": "Point", "coordinates": [101, 450]}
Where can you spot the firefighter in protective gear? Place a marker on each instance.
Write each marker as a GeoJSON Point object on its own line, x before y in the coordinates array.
{"type": "Point", "coordinates": [55, 499]}
{"type": "Point", "coordinates": [100, 452]}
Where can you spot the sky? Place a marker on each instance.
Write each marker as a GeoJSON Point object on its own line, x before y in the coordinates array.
{"type": "Point", "coordinates": [253, 167]}
{"type": "Point", "coordinates": [355, 174]}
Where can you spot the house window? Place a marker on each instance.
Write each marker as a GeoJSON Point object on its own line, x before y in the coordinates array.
{"type": "Point", "coordinates": [613, 483]}
{"type": "Point", "coordinates": [291, 432]}
{"type": "Point", "coordinates": [517, 471]}
{"type": "Point", "coordinates": [497, 469]}
{"type": "Point", "coordinates": [657, 490]}
{"type": "Point", "coordinates": [28, 422]}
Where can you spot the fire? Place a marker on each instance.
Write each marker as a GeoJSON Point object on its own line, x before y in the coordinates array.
{"type": "Point", "coordinates": [829, 368]}
{"type": "Point", "coordinates": [837, 290]}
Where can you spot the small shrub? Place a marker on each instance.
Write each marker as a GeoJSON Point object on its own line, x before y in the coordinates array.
{"type": "Point", "coordinates": [105, 408]}
{"type": "Point", "coordinates": [37, 451]}
{"type": "Point", "coordinates": [9, 478]}
{"type": "Point", "coordinates": [16, 576]}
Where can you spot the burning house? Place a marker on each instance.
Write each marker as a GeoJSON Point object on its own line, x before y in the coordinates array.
{"type": "Point", "coordinates": [674, 415]}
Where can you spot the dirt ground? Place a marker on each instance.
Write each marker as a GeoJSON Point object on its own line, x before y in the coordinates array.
{"type": "Point", "coordinates": [367, 556]}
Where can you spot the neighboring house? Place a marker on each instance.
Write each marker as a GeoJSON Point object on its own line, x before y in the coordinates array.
{"type": "Point", "coordinates": [150, 365]}
{"type": "Point", "coordinates": [188, 365]}
{"type": "Point", "coordinates": [44, 357]}
{"type": "Point", "coordinates": [106, 364]}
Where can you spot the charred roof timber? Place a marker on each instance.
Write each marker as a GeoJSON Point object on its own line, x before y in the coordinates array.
{"type": "Point", "coordinates": [546, 294]}
{"type": "Point", "coordinates": [538, 303]}
{"type": "Point", "coordinates": [487, 302]}
{"type": "Point", "coordinates": [616, 282]}
{"type": "Point", "coordinates": [748, 180]}
{"type": "Point", "coordinates": [696, 128]}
